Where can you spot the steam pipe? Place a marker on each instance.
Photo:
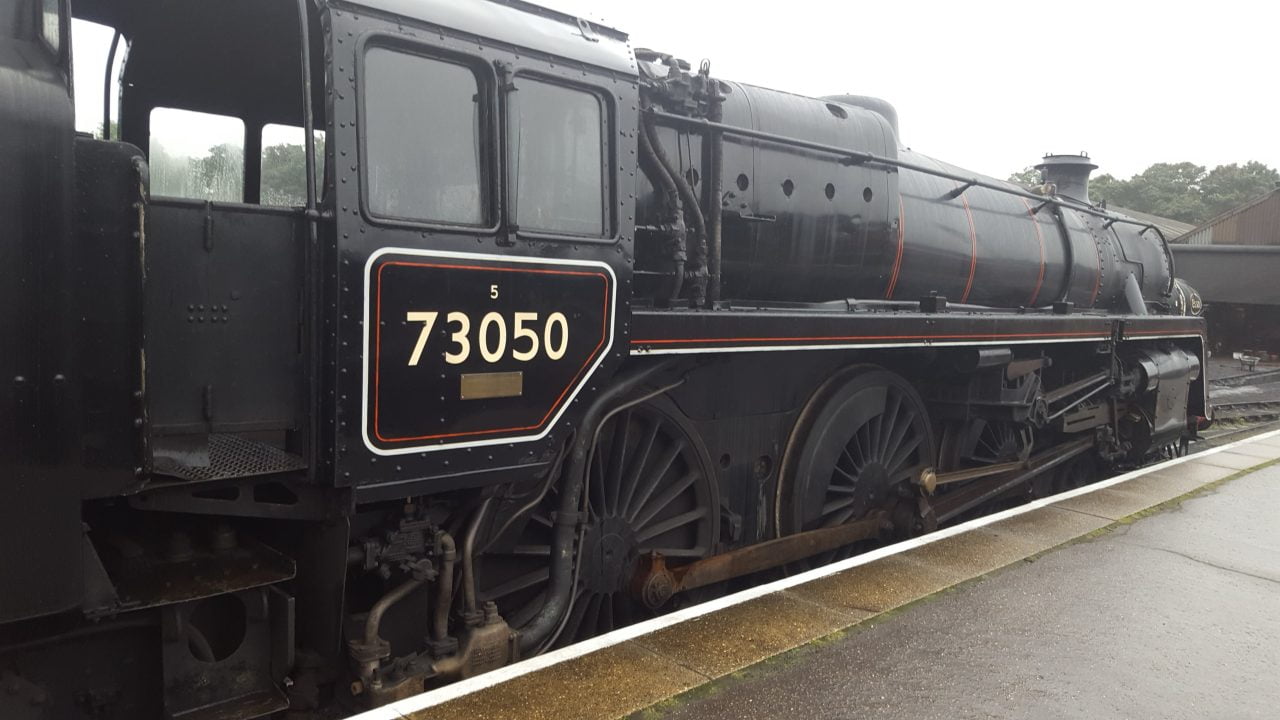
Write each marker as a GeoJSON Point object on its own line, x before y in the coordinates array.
{"type": "Point", "coordinates": [695, 211]}
{"type": "Point", "coordinates": [660, 177]}
{"type": "Point", "coordinates": [716, 192]}
{"type": "Point", "coordinates": [468, 559]}
{"type": "Point", "coordinates": [368, 665]}
{"type": "Point", "coordinates": [560, 580]}
{"type": "Point", "coordinates": [444, 590]}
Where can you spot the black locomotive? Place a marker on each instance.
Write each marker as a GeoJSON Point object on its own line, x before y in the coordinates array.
{"type": "Point", "coordinates": [553, 336]}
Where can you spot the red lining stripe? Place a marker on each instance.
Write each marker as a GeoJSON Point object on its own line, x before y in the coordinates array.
{"type": "Point", "coordinates": [897, 261]}
{"type": "Point", "coordinates": [973, 253]}
{"type": "Point", "coordinates": [1035, 294]}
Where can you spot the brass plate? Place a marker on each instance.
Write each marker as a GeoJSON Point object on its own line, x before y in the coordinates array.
{"type": "Point", "coordinates": [478, 386]}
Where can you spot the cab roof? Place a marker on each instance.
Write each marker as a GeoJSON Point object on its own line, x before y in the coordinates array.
{"type": "Point", "coordinates": [512, 22]}
{"type": "Point", "coordinates": [519, 23]}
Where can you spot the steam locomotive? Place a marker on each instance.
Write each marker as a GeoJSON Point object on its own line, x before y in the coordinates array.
{"type": "Point", "coordinates": [553, 335]}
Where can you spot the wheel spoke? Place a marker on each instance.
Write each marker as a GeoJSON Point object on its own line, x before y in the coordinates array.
{"type": "Point", "coordinates": [654, 478]}
{"type": "Point", "coordinates": [606, 614]}
{"type": "Point", "coordinates": [596, 499]}
{"type": "Point", "coordinates": [895, 439]}
{"type": "Point", "coordinates": [907, 448]}
{"type": "Point", "coordinates": [853, 479]}
{"type": "Point", "coordinates": [620, 437]}
{"type": "Point", "coordinates": [867, 442]}
{"type": "Point", "coordinates": [592, 618]}
{"type": "Point", "coordinates": [840, 518]}
{"type": "Point", "coordinates": [856, 442]}
{"type": "Point", "coordinates": [873, 435]}
{"type": "Point", "coordinates": [526, 580]}
{"type": "Point", "coordinates": [890, 423]}
{"type": "Point", "coordinates": [833, 505]}
{"type": "Point", "coordinates": [639, 520]}
{"type": "Point", "coordinates": [671, 524]}
{"type": "Point", "coordinates": [638, 461]}
{"type": "Point", "coordinates": [581, 609]}
{"type": "Point", "coordinates": [846, 455]}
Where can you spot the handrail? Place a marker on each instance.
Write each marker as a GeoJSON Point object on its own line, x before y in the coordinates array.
{"type": "Point", "coordinates": [852, 157]}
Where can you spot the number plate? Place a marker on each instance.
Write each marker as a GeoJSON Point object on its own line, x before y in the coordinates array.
{"type": "Point", "coordinates": [528, 331]}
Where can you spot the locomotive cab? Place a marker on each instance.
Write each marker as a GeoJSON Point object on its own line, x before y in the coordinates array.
{"type": "Point", "coordinates": [213, 93]}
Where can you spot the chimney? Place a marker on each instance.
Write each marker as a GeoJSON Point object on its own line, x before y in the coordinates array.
{"type": "Point", "coordinates": [1070, 173]}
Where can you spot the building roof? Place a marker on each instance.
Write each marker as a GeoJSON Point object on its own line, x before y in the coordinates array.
{"type": "Point", "coordinates": [1256, 222]}
{"type": "Point", "coordinates": [1168, 227]}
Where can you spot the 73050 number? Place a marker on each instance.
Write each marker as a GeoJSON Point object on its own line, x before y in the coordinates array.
{"type": "Point", "coordinates": [491, 336]}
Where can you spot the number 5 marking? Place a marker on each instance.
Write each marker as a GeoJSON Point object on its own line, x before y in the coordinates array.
{"type": "Point", "coordinates": [493, 292]}
{"type": "Point", "coordinates": [428, 320]}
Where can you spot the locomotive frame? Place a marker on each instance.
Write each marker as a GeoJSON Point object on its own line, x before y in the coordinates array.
{"type": "Point", "coordinates": [792, 339]}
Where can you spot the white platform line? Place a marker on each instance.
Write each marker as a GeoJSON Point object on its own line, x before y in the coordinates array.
{"type": "Point", "coordinates": [397, 710]}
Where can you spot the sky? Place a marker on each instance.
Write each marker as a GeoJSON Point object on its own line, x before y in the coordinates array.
{"type": "Point", "coordinates": [988, 86]}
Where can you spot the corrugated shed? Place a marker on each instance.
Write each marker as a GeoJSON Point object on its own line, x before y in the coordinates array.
{"type": "Point", "coordinates": [1168, 227]}
{"type": "Point", "coordinates": [1254, 223]}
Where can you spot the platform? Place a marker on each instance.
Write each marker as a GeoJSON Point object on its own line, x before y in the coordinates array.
{"type": "Point", "coordinates": [1092, 603]}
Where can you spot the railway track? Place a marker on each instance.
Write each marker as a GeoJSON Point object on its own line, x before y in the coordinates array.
{"type": "Point", "coordinates": [1251, 397]}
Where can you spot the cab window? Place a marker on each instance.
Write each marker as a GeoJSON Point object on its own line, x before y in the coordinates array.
{"type": "Point", "coordinates": [197, 155]}
{"type": "Point", "coordinates": [557, 168]}
{"type": "Point", "coordinates": [51, 24]}
{"type": "Point", "coordinates": [422, 131]}
{"type": "Point", "coordinates": [284, 165]}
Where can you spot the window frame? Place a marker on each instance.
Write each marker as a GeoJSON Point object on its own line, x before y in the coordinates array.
{"type": "Point", "coordinates": [608, 195]}
{"type": "Point", "coordinates": [63, 28]}
{"type": "Point", "coordinates": [487, 84]}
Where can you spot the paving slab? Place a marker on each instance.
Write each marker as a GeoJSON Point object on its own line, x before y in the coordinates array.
{"type": "Point", "coordinates": [1188, 475]}
{"type": "Point", "coordinates": [878, 586]}
{"type": "Point", "coordinates": [1118, 502]}
{"type": "Point", "coordinates": [743, 634]}
{"type": "Point", "coordinates": [622, 679]}
{"type": "Point", "coordinates": [1039, 530]}
{"type": "Point", "coordinates": [1228, 459]}
{"type": "Point", "coordinates": [1263, 451]}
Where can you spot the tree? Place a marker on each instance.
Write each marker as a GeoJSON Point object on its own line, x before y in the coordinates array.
{"type": "Point", "coordinates": [1230, 186]}
{"type": "Point", "coordinates": [1027, 177]}
{"type": "Point", "coordinates": [115, 131]}
{"type": "Point", "coordinates": [220, 173]}
{"type": "Point", "coordinates": [284, 175]}
{"type": "Point", "coordinates": [1184, 191]}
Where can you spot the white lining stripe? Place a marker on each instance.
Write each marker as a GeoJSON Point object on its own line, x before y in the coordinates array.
{"type": "Point", "coordinates": [396, 710]}
{"type": "Point", "coordinates": [704, 349]}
